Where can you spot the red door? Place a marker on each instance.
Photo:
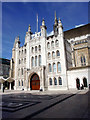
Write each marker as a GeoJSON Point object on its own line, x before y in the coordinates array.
{"type": "Point", "coordinates": [35, 82]}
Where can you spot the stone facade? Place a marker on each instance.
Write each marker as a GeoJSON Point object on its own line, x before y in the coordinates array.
{"type": "Point", "coordinates": [53, 59]}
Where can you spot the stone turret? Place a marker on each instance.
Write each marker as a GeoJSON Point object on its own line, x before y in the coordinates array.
{"type": "Point", "coordinates": [60, 27]}
{"type": "Point", "coordinates": [17, 42]}
{"type": "Point", "coordinates": [28, 34]}
{"type": "Point", "coordinates": [55, 26]}
{"type": "Point", "coordinates": [43, 29]}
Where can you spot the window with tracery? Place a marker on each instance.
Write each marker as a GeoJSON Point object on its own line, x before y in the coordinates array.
{"type": "Point", "coordinates": [50, 81]}
{"type": "Point", "coordinates": [55, 81]}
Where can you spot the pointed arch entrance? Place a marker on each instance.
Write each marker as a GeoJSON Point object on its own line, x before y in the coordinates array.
{"type": "Point", "coordinates": [35, 82]}
{"type": "Point", "coordinates": [78, 83]}
{"type": "Point", "coordinates": [85, 82]}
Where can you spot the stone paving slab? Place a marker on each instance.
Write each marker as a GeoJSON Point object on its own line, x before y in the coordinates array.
{"type": "Point", "coordinates": [30, 111]}
{"type": "Point", "coordinates": [33, 110]}
{"type": "Point", "coordinates": [12, 106]}
{"type": "Point", "coordinates": [75, 107]}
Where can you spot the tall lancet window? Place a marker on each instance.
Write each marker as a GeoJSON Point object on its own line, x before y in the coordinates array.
{"type": "Point", "coordinates": [48, 45]}
{"type": "Point", "coordinates": [49, 55]}
{"type": "Point", "coordinates": [52, 44]}
{"type": "Point", "coordinates": [50, 81]}
{"type": "Point", "coordinates": [25, 51]}
{"type": "Point", "coordinates": [32, 50]}
{"type": "Point", "coordinates": [32, 61]}
{"type": "Point", "coordinates": [83, 60]}
{"type": "Point", "coordinates": [19, 83]}
{"type": "Point", "coordinates": [39, 47]}
{"type": "Point", "coordinates": [57, 43]}
{"type": "Point", "coordinates": [60, 80]}
{"type": "Point", "coordinates": [50, 68]}
{"type": "Point", "coordinates": [54, 67]}
{"type": "Point", "coordinates": [58, 53]}
{"type": "Point", "coordinates": [55, 81]}
{"type": "Point", "coordinates": [35, 48]}
{"type": "Point", "coordinates": [39, 60]}
{"type": "Point", "coordinates": [53, 54]}
{"type": "Point", "coordinates": [35, 60]}
{"type": "Point", "coordinates": [59, 66]}
{"type": "Point", "coordinates": [22, 71]}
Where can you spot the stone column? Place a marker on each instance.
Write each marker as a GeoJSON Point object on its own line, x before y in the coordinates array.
{"type": "Point", "coordinates": [2, 87]}
{"type": "Point", "coordinates": [27, 81]}
{"type": "Point", "coordinates": [10, 86]}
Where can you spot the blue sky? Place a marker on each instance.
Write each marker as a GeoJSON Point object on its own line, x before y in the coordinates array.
{"type": "Point", "coordinates": [16, 17]}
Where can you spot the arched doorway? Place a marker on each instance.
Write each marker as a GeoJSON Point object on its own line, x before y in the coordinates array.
{"type": "Point", "coordinates": [35, 82]}
{"type": "Point", "coordinates": [78, 83]}
{"type": "Point", "coordinates": [85, 82]}
{"type": "Point", "coordinates": [6, 84]}
{"type": "Point", "coordinates": [12, 85]}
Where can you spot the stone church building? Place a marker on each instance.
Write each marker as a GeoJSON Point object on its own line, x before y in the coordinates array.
{"type": "Point", "coordinates": [57, 62]}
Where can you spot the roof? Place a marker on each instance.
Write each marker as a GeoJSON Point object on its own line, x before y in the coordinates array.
{"type": "Point", "coordinates": [76, 32]}
{"type": "Point", "coordinates": [4, 61]}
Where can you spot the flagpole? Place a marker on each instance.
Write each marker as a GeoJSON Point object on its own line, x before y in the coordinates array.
{"type": "Point", "coordinates": [37, 22]}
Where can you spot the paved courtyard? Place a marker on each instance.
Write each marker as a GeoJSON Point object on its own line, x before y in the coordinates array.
{"type": "Point", "coordinates": [48, 104]}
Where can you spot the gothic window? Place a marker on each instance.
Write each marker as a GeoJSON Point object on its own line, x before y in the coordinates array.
{"type": "Point", "coordinates": [25, 51]}
{"type": "Point", "coordinates": [19, 52]}
{"type": "Point", "coordinates": [54, 67]}
{"type": "Point", "coordinates": [52, 44]}
{"type": "Point", "coordinates": [32, 49]}
{"type": "Point", "coordinates": [83, 60]}
{"type": "Point", "coordinates": [55, 81]}
{"type": "Point", "coordinates": [53, 54]}
{"type": "Point", "coordinates": [50, 81]}
{"type": "Point", "coordinates": [60, 80]}
{"type": "Point", "coordinates": [39, 47]}
{"type": "Point", "coordinates": [50, 68]}
{"type": "Point", "coordinates": [32, 61]}
{"type": "Point", "coordinates": [19, 83]}
{"type": "Point", "coordinates": [59, 66]}
{"type": "Point", "coordinates": [48, 45]}
{"type": "Point", "coordinates": [35, 48]}
{"type": "Point", "coordinates": [22, 60]}
{"type": "Point", "coordinates": [19, 61]}
{"type": "Point", "coordinates": [57, 43]}
{"type": "Point", "coordinates": [49, 55]}
{"type": "Point", "coordinates": [58, 53]}
{"type": "Point", "coordinates": [35, 60]}
{"type": "Point", "coordinates": [22, 71]}
{"type": "Point", "coordinates": [22, 83]}
{"type": "Point", "coordinates": [39, 60]}
{"type": "Point", "coordinates": [22, 51]}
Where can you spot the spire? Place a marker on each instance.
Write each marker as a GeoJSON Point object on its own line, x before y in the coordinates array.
{"type": "Point", "coordinates": [29, 28]}
{"type": "Point", "coordinates": [55, 19]}
{"type": "Point", "coordinates": [59, 22]}
{"type": "Point", "coordinates": [43, 22]}
{"type": "Point", "coordinates": [55, 15]}
{"type": "Point", "coordinates": [17, 40]}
